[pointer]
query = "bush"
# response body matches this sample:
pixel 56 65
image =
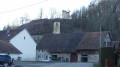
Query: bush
pixel 106 53
pixel 96 64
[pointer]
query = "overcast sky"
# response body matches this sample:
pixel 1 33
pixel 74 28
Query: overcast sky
pixel 7 16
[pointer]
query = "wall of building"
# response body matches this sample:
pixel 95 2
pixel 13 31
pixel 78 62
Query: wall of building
pixel 65 57
pixel 92 56
pixel 24 42
pixel 79 57
pixel 37 38
pixel 15 56
pixel 107 40
pixel 43 55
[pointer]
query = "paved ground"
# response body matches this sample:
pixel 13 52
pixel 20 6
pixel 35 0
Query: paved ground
pixel 70 65
pixel 54 65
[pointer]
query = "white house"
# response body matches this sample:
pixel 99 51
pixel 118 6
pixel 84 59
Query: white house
pixel 23 41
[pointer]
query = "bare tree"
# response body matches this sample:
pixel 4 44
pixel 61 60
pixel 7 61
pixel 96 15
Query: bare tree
pixel 41 13
pixel 54 14
pixel 15 22
pixel 58 15
pixel 24 19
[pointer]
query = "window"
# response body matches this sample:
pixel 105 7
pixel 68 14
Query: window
pixel 46 57
pixel 38 56
pixel 84 58
pixel 9 34
pixel 56 24
pixel 24 37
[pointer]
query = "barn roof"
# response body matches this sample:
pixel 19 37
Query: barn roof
pixel 60 42
pixel 92 40
pixel 71 42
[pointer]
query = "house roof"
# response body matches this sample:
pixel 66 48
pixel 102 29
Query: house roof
pixel 44 26
pixel 60 42
pixel 6 35
pixel 71 42
pixel 116 45
pixel 92 40
pixel 6 47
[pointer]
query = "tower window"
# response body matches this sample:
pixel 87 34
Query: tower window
pixel 56 24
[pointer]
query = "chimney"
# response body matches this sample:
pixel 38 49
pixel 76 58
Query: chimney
pixel 65 14
pixel 56 28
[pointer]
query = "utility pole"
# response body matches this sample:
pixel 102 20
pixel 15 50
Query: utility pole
pixel 100 36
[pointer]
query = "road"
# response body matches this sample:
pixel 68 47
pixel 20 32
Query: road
pixel 53 65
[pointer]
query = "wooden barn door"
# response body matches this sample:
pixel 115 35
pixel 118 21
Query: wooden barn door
pixel 73 57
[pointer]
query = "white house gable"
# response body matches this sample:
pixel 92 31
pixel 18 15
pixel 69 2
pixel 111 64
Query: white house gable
pixel 43 55
pixel 107 40
pixel 25 43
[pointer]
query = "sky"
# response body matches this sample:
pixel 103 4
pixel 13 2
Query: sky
pixel 10 10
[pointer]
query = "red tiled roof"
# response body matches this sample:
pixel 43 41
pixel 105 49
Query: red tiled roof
pixel 92 40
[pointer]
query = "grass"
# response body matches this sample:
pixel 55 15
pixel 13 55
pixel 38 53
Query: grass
pixel 96 64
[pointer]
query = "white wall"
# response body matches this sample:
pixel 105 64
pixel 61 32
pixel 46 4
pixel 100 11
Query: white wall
pixel 79 57
pixel 63 56
pixel 3 53
pixel 93 58
pixel 43 55
pixel 107 39
pixel 15 56
pixel 24 42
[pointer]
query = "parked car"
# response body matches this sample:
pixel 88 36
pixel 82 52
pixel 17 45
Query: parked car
pixel 6 60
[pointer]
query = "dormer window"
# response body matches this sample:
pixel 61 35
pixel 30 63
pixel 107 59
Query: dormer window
pixel 9 34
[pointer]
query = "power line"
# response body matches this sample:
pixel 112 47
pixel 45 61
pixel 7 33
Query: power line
pixel 22 7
